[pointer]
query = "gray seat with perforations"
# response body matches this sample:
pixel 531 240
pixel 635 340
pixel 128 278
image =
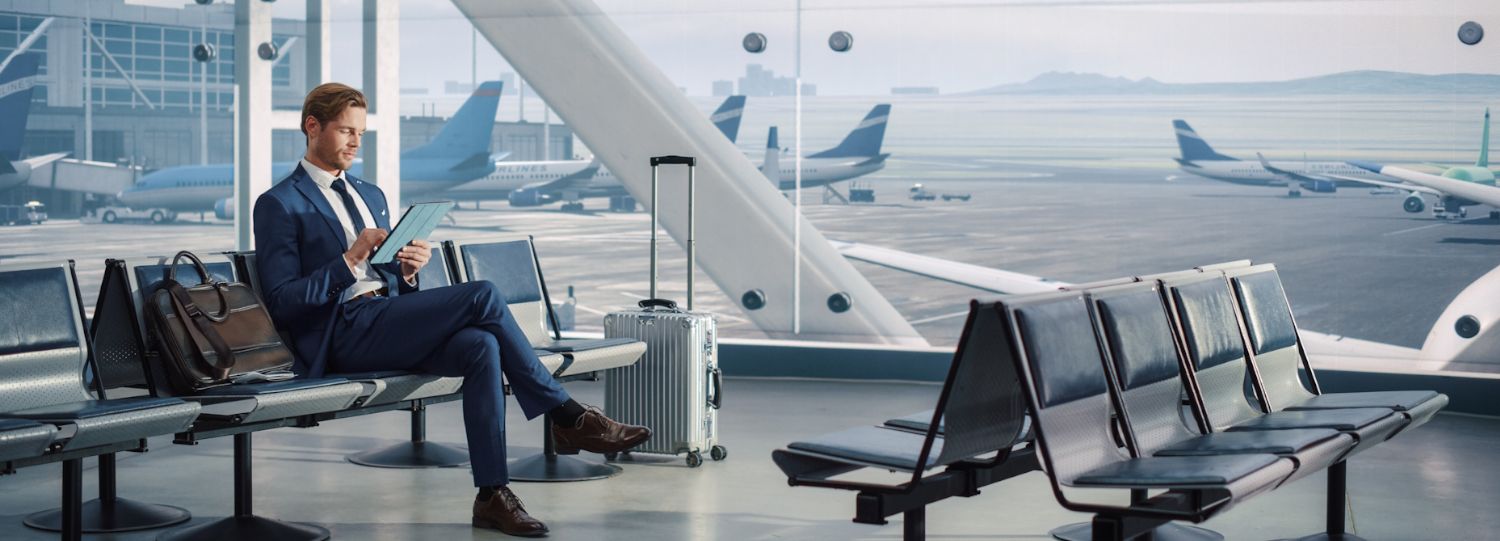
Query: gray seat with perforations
pixel 1204 309
pixel 1277 354
pixel 511 264
pixel 44 355
pixel 1054 345
pixel 1147 367
pixel 981 413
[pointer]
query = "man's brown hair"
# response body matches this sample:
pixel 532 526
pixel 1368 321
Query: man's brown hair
pixel 328 101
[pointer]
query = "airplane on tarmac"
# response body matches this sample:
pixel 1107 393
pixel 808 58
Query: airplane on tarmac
pixel 857 155
pixel 510 176
pixel 459 153
pixel 1456 191
pixel 1200 159
pixel 1449 203
pixel 16 85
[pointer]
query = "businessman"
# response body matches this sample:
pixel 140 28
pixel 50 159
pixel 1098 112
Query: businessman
pixel 314 234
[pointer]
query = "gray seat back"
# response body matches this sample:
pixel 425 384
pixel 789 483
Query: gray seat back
pixel 43 353
pixel 1055 348
pixel 510 264
pixel 1209 331
pixel 982 408
pixel 1147 364
pixel 439 270
pixel 1274 348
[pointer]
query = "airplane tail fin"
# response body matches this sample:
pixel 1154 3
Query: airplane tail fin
pixel 866 138
pixel 16 85
pixel 1193 147
pixel 727 117
pixel 470 130
pixel 1484 142
pixel 772 166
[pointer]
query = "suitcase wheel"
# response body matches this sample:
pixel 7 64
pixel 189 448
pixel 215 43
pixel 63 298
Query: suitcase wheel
pixel 694 459
pixel 718 452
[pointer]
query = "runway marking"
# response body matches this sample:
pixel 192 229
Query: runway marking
pixel 938 318
pixel 1418 228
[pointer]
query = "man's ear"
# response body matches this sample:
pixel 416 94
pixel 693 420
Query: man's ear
pixel 311 125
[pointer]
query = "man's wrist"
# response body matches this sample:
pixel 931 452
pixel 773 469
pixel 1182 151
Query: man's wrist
pixel 352 263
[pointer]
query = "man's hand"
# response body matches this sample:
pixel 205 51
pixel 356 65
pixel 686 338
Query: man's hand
pixel 364 246
pixel 413 257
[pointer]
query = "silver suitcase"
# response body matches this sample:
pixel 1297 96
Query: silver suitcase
pixel 676 387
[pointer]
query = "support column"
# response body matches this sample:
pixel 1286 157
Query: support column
pixel 319 57
pixel 382 88
pixel 252 82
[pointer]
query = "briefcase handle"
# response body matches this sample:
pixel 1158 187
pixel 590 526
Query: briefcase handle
pixel 204 279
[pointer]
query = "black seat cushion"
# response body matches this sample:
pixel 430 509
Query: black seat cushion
pixel 254 389
pixel 918 422
pixel 17 424
pixel 87 409
pixel 584 344
pixel 377 374
pixel 872 445
pixel 1276 442
pixel 1176 471
pixel 1396 400
pixel 1343 420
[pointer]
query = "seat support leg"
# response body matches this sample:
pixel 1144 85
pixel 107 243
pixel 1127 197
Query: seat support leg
pixel 552 467
pixel 72 500
pixel 417 453
pixel 111 513
pixel 914 525
pixel 244 525
pixel 1338 496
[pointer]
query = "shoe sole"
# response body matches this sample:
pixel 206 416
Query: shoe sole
pixel 488 525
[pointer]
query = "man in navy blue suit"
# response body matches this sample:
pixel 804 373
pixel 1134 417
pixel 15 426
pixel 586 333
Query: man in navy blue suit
pixel 314 234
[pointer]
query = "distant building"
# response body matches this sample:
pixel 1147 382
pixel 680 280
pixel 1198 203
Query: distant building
pixel 456 87
pixel 761 82
pixel 914 91
pixel 723 89
pixel 413 91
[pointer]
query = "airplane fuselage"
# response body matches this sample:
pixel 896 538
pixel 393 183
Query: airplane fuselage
pixel 1251 173
pixel 199 188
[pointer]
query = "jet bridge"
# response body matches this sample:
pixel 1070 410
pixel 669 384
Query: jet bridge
pixel 626 110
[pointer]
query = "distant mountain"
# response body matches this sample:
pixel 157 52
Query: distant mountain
pixel 1349 82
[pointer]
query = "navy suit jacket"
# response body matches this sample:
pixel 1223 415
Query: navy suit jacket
pixel 299 247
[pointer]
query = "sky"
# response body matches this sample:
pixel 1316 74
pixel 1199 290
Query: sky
pixel 961 45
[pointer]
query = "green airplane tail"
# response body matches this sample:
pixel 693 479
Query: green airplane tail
pixel 1484 144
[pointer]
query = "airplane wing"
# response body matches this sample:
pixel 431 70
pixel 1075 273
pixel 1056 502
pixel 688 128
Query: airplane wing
pixel 1396 185
pixel 1311 182
pixel 1479 193
pixel 569 181
pixel 38 161
pixel 975 276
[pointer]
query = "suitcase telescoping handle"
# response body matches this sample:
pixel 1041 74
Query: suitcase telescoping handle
pixel 656 162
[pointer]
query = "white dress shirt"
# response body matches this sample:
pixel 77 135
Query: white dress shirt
pixel 366 280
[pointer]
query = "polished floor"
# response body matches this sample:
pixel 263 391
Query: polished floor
pixel 1438 482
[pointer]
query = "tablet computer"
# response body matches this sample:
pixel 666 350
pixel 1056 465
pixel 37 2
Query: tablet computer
pixel 416 223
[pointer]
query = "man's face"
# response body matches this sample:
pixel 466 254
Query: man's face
pixel 336 142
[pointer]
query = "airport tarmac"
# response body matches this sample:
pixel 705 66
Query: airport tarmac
pixel 1353 263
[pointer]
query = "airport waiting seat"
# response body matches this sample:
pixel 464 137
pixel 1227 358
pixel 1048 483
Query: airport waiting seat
pixel 121 332
pixel 44 355
pixel 1053 343
pixel 397 389
pixel 511 264
pixel 981 399
pixel 1146 366
pixel 1277 355
pixel 1218 372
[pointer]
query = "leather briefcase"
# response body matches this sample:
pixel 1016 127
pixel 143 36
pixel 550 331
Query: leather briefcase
pixel 212 332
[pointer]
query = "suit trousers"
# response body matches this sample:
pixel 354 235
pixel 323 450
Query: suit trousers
pixel 460 330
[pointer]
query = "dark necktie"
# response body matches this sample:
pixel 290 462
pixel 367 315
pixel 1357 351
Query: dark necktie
pixel 359 222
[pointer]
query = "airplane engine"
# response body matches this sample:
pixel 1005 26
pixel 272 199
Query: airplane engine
pixel 224 208
pixel 529 197
pixel 1413 204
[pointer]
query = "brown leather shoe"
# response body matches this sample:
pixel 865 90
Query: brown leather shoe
pixel 504 512
pixel 598 434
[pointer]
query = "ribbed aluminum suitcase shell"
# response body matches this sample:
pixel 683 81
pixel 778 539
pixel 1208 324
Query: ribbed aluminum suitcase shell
pixel 673 387
pixel 676 388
